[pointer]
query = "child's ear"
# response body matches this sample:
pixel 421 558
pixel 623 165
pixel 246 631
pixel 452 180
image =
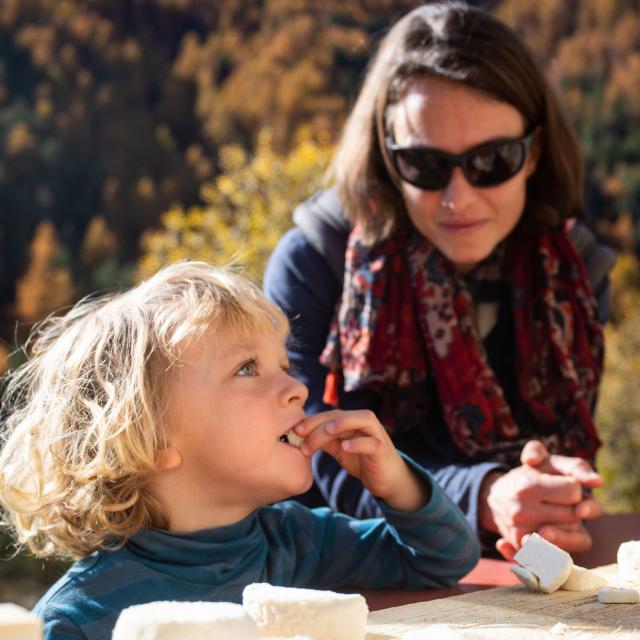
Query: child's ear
pixel 168 458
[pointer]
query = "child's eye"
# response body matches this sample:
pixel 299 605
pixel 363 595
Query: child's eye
pixel 248 368
pixel 290 369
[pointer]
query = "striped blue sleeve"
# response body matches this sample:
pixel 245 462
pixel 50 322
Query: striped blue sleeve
pixel 432 547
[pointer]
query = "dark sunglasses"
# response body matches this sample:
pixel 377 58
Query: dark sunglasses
pixel 486 165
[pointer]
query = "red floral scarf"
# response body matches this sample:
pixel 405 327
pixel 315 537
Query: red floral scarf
pixel 406 315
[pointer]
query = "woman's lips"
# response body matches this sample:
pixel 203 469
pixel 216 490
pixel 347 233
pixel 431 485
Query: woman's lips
pixel 462 226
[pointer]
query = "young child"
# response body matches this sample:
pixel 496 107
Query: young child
pixel 147 434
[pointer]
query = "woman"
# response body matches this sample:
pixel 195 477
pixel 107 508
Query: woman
pixel 462 312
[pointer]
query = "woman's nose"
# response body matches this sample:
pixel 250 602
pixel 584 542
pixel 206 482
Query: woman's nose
pixel 458 193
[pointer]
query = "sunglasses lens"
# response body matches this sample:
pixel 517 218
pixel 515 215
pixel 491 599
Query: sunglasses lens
pixel 423 169
pixel 494 164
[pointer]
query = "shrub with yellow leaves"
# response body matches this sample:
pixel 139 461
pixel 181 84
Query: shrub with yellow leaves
pixel 618 414
pixel 247 207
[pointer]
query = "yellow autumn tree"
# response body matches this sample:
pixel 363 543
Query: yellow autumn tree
pixel 99 243
pixel 247 208
pixel 47 284
pixel 618 414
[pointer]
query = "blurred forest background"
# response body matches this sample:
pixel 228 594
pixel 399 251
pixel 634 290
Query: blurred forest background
pixel 137 132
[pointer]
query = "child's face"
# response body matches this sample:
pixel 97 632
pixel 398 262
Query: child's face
pixel 232 402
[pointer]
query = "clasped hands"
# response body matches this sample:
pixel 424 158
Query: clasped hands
pixel 545 494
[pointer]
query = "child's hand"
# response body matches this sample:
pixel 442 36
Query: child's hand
pixel 358 441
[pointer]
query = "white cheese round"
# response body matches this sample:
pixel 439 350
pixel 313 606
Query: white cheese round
pixel 167 620
pixel 17 623
pixel 618 595
pixel 629 560
pixel 581 579
pixel 323 615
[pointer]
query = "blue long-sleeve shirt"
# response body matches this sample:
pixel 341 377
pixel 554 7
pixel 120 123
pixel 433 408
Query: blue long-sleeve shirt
pixel 304 278
pixel 286 544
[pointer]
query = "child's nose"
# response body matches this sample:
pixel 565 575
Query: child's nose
pixel 295 391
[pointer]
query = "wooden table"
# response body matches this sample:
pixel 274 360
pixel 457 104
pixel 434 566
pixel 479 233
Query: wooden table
pixel 607 533
pixel 511 613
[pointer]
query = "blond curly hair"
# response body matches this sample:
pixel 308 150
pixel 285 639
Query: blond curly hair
pixel 82 418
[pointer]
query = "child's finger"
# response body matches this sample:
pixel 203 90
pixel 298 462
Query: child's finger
pixel 310 423
pixel 362 445
pixel 324 437
pixel 362 420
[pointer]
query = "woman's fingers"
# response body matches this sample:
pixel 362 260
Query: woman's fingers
pixel 534 453
pixel 506 549
pixel 576 468
pixel 588 509
pixel 573 538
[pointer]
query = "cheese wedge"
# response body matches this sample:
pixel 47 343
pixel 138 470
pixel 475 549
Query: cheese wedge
pixel 548 563
pixel 581 579
pixel 530 580
pixel 322 615
pixel 618 595
pixel 17 623
pixel 629 561
pixel 179 620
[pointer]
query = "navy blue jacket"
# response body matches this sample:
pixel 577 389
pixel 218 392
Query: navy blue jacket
pixel 304 277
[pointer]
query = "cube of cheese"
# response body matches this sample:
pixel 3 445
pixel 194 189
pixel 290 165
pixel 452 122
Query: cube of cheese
pixel 179 620
pixel 629 560
pixel 548 563
pixel 581 579
pixel 530 580
pixel 323 615
pixel 17 623
pixel 618 595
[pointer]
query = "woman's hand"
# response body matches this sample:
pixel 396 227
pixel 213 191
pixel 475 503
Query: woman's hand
pixel 545 494
pixel 360 444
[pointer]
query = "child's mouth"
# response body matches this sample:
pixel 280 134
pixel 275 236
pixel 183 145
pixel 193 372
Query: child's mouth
pixel 292 438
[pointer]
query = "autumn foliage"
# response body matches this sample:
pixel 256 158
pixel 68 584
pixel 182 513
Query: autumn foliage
pixel 137 132
pixel 246 208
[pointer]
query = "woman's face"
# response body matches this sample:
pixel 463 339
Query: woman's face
pixel 464 222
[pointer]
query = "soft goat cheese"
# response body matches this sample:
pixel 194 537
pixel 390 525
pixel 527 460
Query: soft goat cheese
pixel 529 579
pixel 17 623
pixel 323 615
pixel 629 560
pixel 618 595
pixel 543 561
pixel 167 620
pixel 581 579
pixel 293 438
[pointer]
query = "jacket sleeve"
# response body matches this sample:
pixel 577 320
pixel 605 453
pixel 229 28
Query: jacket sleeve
pixel 59 627
pixel 432 547
pixel 460 481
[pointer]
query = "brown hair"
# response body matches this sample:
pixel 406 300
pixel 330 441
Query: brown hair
pixel 462 44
